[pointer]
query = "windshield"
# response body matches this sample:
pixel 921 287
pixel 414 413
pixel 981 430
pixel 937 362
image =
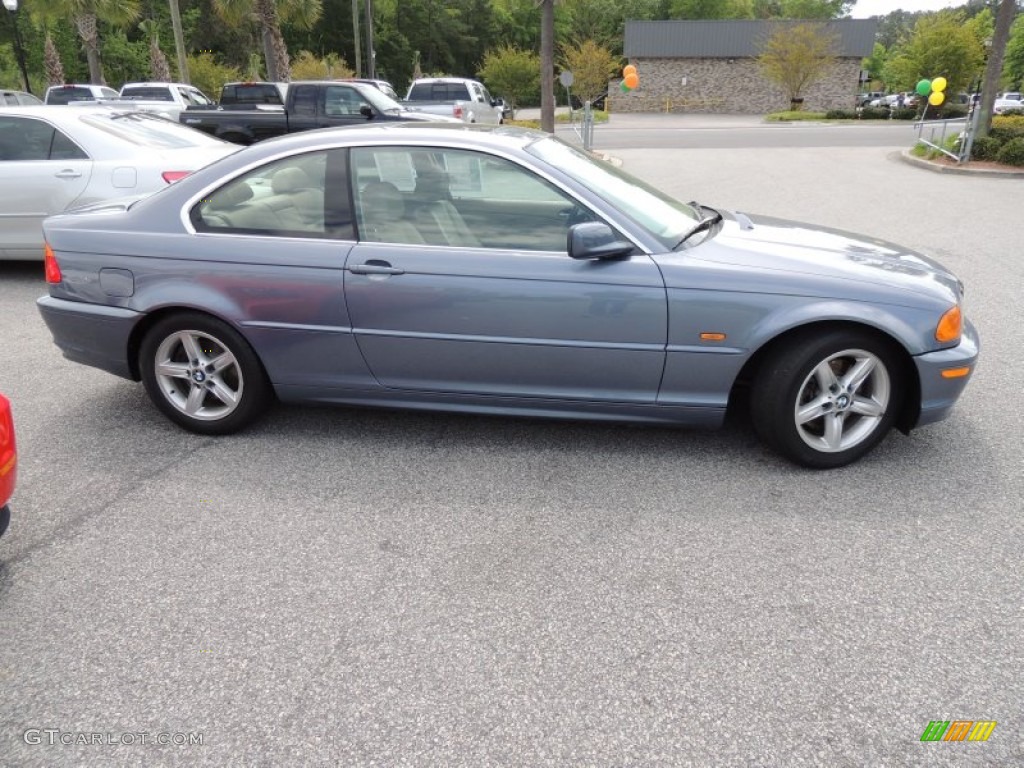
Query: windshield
pixel 664 217
pixel 147 130
pixel 377 98
pixel 147 93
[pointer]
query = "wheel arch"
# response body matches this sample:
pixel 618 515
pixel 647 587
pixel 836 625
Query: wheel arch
pixel 740 391
pixel 142 328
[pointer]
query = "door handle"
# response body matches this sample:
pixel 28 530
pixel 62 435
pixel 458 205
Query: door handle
pixel 67 173
pixel 375 268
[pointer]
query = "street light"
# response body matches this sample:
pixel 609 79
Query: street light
pixel 19 49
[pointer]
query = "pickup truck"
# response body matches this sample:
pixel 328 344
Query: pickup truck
pixel 253 95
pixel 458 97
pixel 308 104
pixel 165 99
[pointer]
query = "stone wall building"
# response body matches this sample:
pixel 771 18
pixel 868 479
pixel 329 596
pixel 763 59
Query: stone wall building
pixel 711 66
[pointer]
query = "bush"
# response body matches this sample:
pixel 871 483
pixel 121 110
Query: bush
pixel 776 117
pixel 1004 130
pixel 841 114
pixel 306 66
pixel 1013 113
pixel 947 111
pixel 208 75
pixel 1012 152
pixel 986 148
pixel 903 113
pixel 874 113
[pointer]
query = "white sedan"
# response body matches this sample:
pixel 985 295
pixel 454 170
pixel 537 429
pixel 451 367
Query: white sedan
pixel 53 159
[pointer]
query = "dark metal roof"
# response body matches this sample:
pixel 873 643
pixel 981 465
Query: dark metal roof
pixel 733 39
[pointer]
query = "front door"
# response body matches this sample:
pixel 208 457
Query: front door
pixel 461 283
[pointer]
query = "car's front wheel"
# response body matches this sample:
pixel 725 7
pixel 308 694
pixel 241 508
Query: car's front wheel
pixel 825 401
pixel 202 374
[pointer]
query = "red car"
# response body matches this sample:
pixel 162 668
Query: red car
pixel 8 462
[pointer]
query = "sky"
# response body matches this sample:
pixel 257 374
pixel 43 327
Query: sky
pixel 865 9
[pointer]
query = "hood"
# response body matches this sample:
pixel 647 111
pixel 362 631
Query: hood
pixel 427 117
pixel 796 248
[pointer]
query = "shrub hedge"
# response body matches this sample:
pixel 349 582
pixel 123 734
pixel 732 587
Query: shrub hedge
pixel 1012 152
pixel 985 148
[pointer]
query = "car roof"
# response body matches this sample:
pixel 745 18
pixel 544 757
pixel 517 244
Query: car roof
pixel 414 132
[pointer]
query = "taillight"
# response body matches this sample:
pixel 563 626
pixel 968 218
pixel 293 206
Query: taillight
pixel 172 176
pixel 8 452
pixel 457 111
pixel 52 267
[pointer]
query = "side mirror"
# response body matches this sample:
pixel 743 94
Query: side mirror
pixel 595 240
pixel 366 111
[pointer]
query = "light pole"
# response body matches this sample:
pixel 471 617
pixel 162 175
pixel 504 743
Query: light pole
pixel 19 49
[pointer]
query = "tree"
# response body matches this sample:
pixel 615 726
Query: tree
pixel 798 55
pixel 511 73
pixel 1013 63
pixel 994 67
pixel 547 65
pixel 159 70
pixel 269 14
pixel 306 66
pixel 942 44
pixel 874 64
pixel 591 66
pixel 815 9
pixel 86 15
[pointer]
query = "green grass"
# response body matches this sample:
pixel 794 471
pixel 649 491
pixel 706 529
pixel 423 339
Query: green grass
pixel 599 116
pixel 778 117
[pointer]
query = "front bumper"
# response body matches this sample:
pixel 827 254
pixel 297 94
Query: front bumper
pixel 939 393
pixel 91 334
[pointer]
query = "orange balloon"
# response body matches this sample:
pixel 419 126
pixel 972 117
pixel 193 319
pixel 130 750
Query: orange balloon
pixel 628 70
pixel 632 80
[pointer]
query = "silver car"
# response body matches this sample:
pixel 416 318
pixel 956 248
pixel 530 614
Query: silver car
pixel 500 271
pixel 58 157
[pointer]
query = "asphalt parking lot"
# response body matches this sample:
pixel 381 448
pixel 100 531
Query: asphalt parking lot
pixel 356 587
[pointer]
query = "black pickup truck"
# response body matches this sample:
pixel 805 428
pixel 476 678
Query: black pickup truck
pixel 308 104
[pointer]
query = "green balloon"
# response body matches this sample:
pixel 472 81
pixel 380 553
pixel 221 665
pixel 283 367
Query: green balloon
pixel 624 88
pixel 924 87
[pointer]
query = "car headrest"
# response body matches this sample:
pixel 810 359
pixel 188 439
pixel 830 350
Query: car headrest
pixel 289 180
pixel 382 200
pixel 231 196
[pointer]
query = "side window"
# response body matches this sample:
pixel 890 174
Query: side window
pixel 64 148
pixel 23 138
pixel 300 196
pixel 305 100
pixel 458 198
pixel 342 101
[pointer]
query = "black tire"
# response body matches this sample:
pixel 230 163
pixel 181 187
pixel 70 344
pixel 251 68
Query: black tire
pixel 810 403
pixel 219 389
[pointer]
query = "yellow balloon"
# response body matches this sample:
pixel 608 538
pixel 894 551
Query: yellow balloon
pixel 628 70
pixel 939 85
pixel 936 98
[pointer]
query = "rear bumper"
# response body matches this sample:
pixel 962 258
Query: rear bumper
pixel 91 334
pixel 939 393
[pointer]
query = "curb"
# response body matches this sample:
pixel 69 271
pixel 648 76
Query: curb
pixel 920 162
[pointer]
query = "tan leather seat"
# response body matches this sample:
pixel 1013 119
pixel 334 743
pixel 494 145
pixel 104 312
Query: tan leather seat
pixel 382 215
pixel 436 216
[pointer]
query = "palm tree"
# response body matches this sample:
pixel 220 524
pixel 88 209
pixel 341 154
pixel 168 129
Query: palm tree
pixel 45 15
pixel 159 70
pixel 86 14
pixel 269 14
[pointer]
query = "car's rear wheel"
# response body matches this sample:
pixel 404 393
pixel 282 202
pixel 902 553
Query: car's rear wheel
pixel 202 374
pixel 825 401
